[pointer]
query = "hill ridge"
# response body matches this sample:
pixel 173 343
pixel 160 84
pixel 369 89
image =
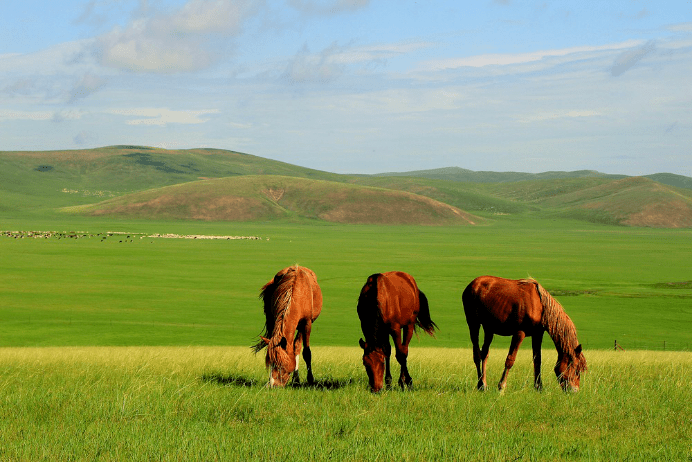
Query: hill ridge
pixel 486 176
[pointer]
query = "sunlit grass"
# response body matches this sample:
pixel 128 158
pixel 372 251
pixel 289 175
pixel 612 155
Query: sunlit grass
pixel 211 403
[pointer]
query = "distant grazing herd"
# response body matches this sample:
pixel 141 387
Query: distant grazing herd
pixel 121 235
pixel 391 305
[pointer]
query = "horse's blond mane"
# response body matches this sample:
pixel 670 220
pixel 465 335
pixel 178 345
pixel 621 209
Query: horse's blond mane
pixel 555 320
pixel 277 297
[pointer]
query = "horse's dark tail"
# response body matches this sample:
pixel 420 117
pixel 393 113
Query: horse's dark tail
pixel 423 320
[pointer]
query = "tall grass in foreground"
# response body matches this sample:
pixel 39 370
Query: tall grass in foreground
pixel 210 403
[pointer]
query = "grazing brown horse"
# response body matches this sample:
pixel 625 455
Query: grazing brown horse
pixel 390 304
pixel 521 308
pixel 292 301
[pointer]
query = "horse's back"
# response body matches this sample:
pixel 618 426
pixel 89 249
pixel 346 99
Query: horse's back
pixel 505 303
pixel 305 292
pixel 398 297
pixel 312 295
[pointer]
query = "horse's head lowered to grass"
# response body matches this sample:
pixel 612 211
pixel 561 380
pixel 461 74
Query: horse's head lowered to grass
pixel 390 305
pixel 568 368
pixel 374 362
pixel 279 361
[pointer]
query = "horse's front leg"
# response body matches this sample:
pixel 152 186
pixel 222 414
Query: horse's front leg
pixel 307 357
pixel 402 352
pixel 387 351
pixel 510 360
pixel 536 349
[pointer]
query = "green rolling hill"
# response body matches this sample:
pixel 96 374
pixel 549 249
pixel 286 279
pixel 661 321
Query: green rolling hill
pixel 268 197
pixel 212 184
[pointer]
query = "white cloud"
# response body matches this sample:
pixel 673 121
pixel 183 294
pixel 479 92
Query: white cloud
pixel 87 85
pixel 517 58
pixel 328 7
pixel 316 68
pixel 558 115
pixel 135 51
pixel 176 42
pixel 163 116
pixel 374 53
pixel 630 58
pixel 207 16
pixel 8 114
pixel 683 27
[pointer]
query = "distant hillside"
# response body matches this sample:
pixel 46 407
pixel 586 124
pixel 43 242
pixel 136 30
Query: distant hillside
pixel 471 176
pixel 270 197
pixel 461 174
pixel 89 175
pixel 629 201
pixel 634 201
pixel 131 177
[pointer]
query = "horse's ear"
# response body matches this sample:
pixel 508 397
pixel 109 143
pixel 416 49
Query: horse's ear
pixel 266 340
pixel 362 344
pixel 578 350
pixel 282 343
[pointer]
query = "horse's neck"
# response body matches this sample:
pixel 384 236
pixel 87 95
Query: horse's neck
pixel 561 330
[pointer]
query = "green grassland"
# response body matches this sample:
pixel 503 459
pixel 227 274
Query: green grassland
pixel 617 283
pixel 625 283
pixel 210 403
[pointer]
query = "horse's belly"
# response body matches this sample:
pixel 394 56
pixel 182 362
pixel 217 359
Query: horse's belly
pixel 509 327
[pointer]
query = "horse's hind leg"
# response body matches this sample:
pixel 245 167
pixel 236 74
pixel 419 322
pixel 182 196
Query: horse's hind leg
pixel 483 358
pixel 295 379
pixel 307 356
pixel 402 352
pixel 510 360
pixel 474 335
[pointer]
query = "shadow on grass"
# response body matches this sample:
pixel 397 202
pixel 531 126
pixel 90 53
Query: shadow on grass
pixel 231 380
pixel 244 381
pixel 324 384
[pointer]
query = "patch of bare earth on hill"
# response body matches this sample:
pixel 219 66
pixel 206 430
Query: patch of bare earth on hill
pixel 379 208
pixel 274 194
pixel 658 215
pixel 226 208
pixel 195 207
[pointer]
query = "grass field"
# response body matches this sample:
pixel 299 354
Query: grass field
pixel 631 285
pixel 209 403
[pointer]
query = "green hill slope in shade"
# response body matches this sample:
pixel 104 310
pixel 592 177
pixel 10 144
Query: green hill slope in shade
pixel 464 175
pixel 270 197
pixel 112 171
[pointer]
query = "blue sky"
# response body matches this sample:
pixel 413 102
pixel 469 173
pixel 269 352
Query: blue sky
pixel 357 86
